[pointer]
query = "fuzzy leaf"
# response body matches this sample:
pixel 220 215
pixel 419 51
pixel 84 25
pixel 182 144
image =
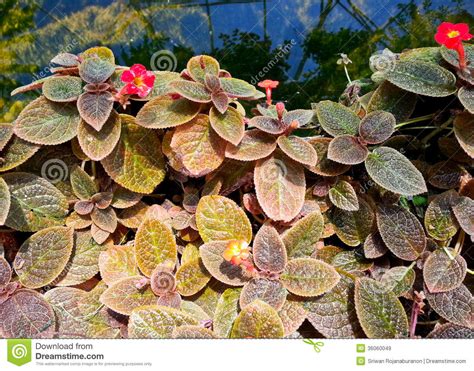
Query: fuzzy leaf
pixel 191 277
pixel 222 270
pixel 380 313
pixel 301 239
pixel 46 122
pixel 401 232
pixel 464 212
pixel 228 125
pixel 343 196
pixel 257 321
pixel 347 150
pixel 226 312
pixel 353 227
pixel 324 166
pixel 440 221
pixel 337 119
pixel 200 65
pixel 155 245
pixel 377 127
pixel 466 96
pixel 333 314
pixel 5 201
pixel 82 184
pixel 6 133
pixel 164 112
pixel 393 171
pixel 451 331
pixel 133 216
pixel 198 147
pixel 280 186
pixel 236 88
pixel 298 149
pixel 269 291
pixel 35 203
pixel 292 314
pixel 95 108
pixel 309 277
pixel 62 88
pixel 268 124
pixel 456 305
pixel 220 219
pixel 95 70
pixel 105 219
pixel 254 145
pixel 303 116
pixel 136 163
pixel 26 315
pixel 399 280
pixel 390 98
pixel 422 78
pixel 351 261
pixel 193 332
pixel 99 144
pixel 127 294
pixel 193 91
pixel 269 253
pixel 43 256
pixel 156 322
pixel 463 124
pixel 117 262
pixel 442 274
pixel 374 247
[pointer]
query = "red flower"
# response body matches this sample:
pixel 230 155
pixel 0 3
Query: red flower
pixel 138 81
pixel 451 36
pixel 268 85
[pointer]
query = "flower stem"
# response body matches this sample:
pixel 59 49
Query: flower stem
pixel 347 74
pixel 416 119
pixel 426 139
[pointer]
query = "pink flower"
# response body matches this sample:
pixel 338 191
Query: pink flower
pixel 451 36
pixel 138 81
pixel 268 85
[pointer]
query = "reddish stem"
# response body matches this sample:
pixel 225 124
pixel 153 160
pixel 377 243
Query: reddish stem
pixel 414 318
pixel 462 56
pixel 268 91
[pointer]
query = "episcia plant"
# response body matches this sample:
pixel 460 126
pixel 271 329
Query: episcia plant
pixel 147 204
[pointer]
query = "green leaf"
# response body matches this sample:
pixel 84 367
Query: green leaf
pixel 333 314
pixel 46 122
pixel 99 144
pixel 351 261
pixel 65 59
pixel 269 253
pixel 298 149
pixel 200 65
pixel 136 163
pixel 5 272
pixel 398 280
pixel 117 262
pixel 193 91
pixel 95 70
pixel 257 321
pixel 353 227
pixel 463 124
pixel 347 150
pixel 324 166
pixel 451 331
pixel 440 221
pixel 199 149
pixel 422 78
pixel 268 124
pixel 126 294
pixel 456 305
pixel 393 171
pixel 337 119
pixel 62 88
pixel 5 201
pixel 228 125
pixel 466 96
pixel 156 322
pixel 271 292
pixel 452 57
pixel 280 186
pixel 220 219
pixel 163 112
pixel 377 126
pixel 464 213
pixel 309 277
pixel 236 88
pixel 43 256
pixel 27 315
pixel 292 314
pixel 255 144
pixel 155 245
pixel 193 332
pixel 343 196
pixel 191 277
pixel 95 108
pixel 390 98
pixel 380 313
pixel 101 52
pixel 35 203
pixel 301 239
pixel 222 270
pixel 226 312
pixel 82 184
pixel 441 273
pixel 401 232
pixel 6 133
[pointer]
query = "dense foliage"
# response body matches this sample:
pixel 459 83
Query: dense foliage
pixel 183 209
